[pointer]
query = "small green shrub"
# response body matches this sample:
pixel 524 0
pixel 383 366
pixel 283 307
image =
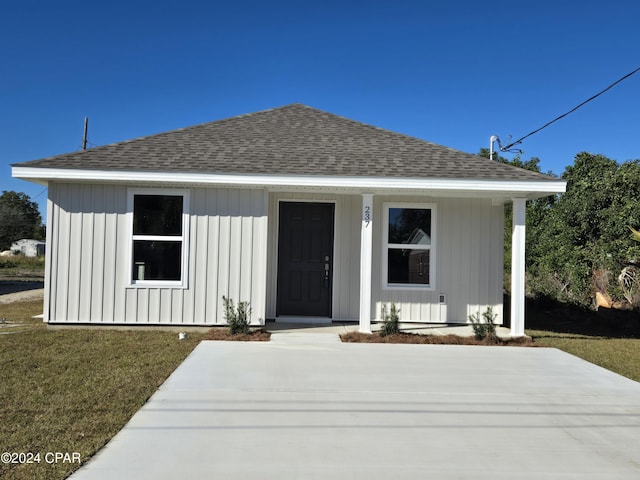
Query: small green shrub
pixel 237 316
pixel 483 325
pixel 390 320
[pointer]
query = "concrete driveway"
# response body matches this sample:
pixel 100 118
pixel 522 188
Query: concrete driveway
pixel 305 406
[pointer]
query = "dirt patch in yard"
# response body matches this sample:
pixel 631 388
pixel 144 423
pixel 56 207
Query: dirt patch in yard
pixel 564 318
pixel 223 334
pixel 414 338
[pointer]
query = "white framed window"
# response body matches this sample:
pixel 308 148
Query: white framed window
pixel 409 246
pixel 159 237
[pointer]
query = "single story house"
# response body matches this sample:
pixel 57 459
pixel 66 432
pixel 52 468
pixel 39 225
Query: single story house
pixel 29 247
pixel 307 215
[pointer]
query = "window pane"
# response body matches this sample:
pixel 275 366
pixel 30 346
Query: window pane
pixel 157 215
pixel 408 266
pixel 410 226
pixel 157 260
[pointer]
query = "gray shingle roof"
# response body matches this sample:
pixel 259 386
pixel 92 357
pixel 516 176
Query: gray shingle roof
pixel 290 140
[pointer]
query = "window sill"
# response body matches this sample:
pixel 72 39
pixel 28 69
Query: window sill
pixel 158 284
pixel 408 286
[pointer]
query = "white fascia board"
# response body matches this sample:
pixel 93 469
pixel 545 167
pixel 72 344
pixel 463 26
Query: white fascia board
pixel 381 183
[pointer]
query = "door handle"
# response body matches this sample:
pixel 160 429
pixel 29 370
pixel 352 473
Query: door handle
pixel 326 271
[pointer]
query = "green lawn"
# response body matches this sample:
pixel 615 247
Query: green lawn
pixel 72 390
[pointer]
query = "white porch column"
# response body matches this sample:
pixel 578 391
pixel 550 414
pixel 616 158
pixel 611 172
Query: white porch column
pixel 366 251
pixel 517 267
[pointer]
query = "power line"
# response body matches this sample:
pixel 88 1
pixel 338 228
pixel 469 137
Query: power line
pixel 519 141
pixel 44 190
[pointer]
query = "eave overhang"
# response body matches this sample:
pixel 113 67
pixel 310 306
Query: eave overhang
pixel 339 184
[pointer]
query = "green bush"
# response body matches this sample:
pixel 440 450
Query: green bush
pixel 237 316
pixel 4 263
pixel 483 325
pixel 390 321
pixel 22 262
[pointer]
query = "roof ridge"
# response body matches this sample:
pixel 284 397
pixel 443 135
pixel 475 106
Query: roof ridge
pixel 382 129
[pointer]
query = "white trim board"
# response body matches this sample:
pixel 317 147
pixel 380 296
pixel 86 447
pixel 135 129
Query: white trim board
pixel 310 181
pixel 184 238
pixel 431 286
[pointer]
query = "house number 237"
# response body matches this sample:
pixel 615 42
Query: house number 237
pixel 366 217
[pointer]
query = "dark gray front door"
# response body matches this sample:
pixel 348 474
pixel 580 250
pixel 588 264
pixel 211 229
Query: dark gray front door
pixel 305 259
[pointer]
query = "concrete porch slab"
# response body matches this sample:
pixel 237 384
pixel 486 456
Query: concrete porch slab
pixel 462 330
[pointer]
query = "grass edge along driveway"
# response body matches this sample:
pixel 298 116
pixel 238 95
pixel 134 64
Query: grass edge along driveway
pixel 70 391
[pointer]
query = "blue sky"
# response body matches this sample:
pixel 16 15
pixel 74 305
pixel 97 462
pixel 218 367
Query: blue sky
pixel 453 72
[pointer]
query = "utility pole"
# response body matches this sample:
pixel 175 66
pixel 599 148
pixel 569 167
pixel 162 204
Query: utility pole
pixel 84 136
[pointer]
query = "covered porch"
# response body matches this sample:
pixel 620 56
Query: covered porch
pixel 464 264
pixel 518 241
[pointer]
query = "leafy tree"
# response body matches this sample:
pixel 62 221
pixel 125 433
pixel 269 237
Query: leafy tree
pixel 578 242
pixel 533 164
pixel 19 218
pixel 582 240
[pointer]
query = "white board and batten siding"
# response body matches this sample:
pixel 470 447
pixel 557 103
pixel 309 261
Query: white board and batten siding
pixel 468 262
pixel 89 266
pixel 233 251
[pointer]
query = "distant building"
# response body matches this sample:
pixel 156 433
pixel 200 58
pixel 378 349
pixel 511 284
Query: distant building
pixel 29 247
